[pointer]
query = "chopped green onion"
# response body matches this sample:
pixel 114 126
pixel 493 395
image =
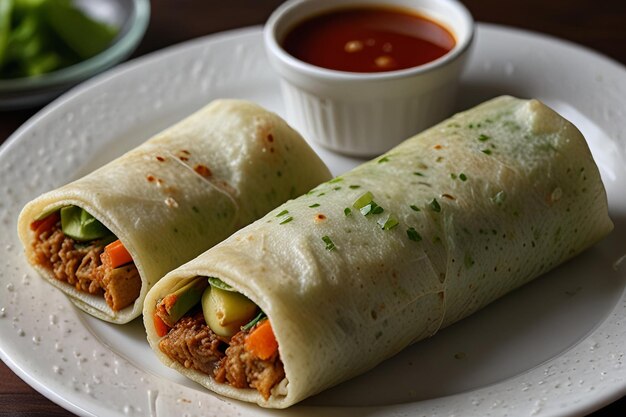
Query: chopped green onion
pixel 286 220
pixel 413 234
pixel 486 151
pixel 336 188
pixel 347 211
pixel 499 198
pixel 483 138
pixel 363 200
pixel 329 243
pixel 453 176
pixel 218 283
pixel 334 180
pixel 389 223
pixel 371 208
pixel 367 209
pixel 354 187
pixel 254 321
pixel 414 207
pixel 282 213
pixel 314 205
pixel 419 174
pixel 463 177
pixel 434 205
pixel 383 159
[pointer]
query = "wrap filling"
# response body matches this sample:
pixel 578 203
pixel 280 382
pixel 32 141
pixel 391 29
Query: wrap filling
pixel 79 250
pixel 207 326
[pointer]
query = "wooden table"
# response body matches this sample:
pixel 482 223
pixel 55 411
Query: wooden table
pixel 599 25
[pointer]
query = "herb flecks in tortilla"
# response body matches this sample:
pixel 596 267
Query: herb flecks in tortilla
pixel 330 246
pixel 434 205
pixel 285 217
pixel 389 223
pixel 286 220
pixel 363 200
pixel 372 208
pixel 413 234
pixel 282 213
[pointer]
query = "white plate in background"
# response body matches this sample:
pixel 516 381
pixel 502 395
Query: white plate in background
pixel 554 347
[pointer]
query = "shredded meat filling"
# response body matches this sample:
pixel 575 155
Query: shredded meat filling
pixel 80 265
pixel 242 369
pixel 194 345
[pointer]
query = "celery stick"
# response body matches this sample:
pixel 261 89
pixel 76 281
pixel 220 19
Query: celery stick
pixel 5 27
pixel 82 34
pixel 42 63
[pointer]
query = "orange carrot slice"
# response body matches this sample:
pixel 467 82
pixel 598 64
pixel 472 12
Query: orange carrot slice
pixel 160 326
pixel 39 226
pixel 115 254
pixel 261 341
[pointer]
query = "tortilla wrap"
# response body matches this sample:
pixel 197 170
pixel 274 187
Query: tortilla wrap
pixel 184 190
pixel 484 202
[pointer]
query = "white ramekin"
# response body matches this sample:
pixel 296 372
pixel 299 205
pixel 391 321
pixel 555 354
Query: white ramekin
pixel 365 114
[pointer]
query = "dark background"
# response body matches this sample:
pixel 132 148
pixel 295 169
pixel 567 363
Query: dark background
pixel 599 25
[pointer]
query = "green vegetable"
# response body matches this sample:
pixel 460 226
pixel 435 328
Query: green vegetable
pixel 80 225
pixel 216 282
pixel 286 220
pixel 371 208
pixel 282 213
pixel 6 7
pixel 434 205
pixel 413 234
pixel 226 311
pixel 40 36
pixel 347 211
pixel 363 200
pixel 254 321
pixel 389 223
pixel 80 33
pixel 182 300
pixel 329 243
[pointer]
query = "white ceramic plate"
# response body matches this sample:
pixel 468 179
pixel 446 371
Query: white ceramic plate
pixel 554 347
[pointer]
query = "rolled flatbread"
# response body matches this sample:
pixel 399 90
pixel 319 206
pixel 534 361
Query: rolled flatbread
pixel 396 249
pixel 169 200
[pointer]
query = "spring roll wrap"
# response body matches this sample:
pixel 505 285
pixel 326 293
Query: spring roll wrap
pixel 167 201
pixel 398 248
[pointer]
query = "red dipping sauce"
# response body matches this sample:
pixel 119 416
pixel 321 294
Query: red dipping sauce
pixel 368 39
